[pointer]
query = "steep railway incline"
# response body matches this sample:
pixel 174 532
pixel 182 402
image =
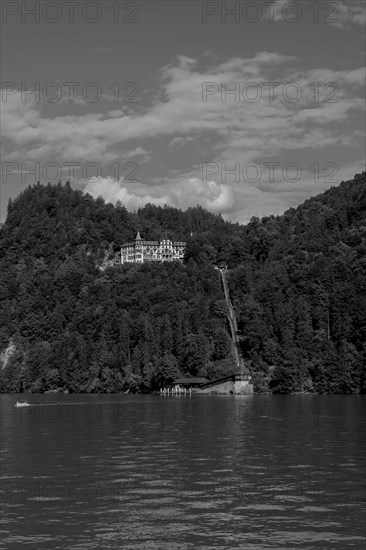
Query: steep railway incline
pixel 233 326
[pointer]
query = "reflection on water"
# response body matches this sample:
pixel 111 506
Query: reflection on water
pixel 185 472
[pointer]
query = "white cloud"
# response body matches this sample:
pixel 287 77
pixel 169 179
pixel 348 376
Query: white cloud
pixel 113 191
pixel 189 110
pixel 339 14
pixel 179 141
pixel 351 13
pixel 179 192
pixel 214 196
pixel 225 128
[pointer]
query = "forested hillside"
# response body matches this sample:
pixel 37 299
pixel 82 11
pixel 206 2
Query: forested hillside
pixel 65 323
pixel 297 282
pixel 300 294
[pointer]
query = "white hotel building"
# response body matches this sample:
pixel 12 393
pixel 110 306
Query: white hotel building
pixel 141 251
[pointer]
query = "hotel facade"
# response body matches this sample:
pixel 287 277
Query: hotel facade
pixel 140 251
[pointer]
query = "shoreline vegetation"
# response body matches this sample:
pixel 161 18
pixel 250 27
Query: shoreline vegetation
pixel 71 320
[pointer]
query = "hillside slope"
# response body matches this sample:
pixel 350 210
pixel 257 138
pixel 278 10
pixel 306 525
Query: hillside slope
pixel 300 295
pixel 66 324
pixel 297 282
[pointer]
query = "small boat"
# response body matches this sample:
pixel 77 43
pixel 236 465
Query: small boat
pixel 22 404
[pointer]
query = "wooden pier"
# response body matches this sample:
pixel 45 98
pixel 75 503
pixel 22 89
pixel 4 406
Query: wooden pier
pixel 176 390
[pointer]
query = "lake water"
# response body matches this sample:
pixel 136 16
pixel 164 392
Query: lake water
pixel 188 472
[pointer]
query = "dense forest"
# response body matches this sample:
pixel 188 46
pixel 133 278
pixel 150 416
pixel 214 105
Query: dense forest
pixel 71 321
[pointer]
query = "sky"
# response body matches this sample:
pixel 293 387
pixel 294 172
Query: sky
pixel 246 108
